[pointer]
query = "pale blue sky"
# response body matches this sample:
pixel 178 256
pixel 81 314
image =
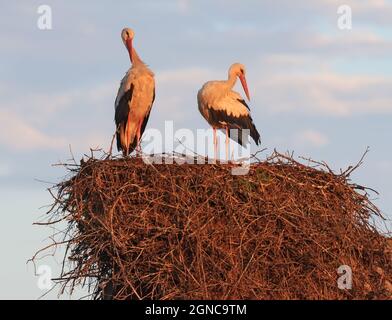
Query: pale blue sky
pixel 320 91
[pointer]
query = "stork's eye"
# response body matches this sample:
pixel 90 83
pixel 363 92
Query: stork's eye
pixel 242 71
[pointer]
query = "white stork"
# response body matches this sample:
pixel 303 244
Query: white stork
pixel 223 108
pixel 134 100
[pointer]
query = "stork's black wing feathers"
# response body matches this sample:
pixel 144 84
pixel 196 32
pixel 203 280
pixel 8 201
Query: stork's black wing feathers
pixel 153 98
pixel 119 148
pixel 244 103
pixel 121 113
pixel 122 109
pixel 220 117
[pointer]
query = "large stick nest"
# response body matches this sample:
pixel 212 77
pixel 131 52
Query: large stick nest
pixel 139 231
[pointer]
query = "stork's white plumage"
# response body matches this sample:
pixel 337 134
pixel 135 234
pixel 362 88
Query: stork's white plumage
pixel 134 100
pixel 225 109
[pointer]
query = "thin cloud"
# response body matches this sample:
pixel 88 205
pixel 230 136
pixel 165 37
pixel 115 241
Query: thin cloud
pixel 300 83
pixel 30 127
pixel 17 134
pixel 308 138
pixel 40 107
pixel 311 138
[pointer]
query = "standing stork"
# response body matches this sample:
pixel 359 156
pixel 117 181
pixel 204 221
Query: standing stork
pixel 223 108
pixel 134 100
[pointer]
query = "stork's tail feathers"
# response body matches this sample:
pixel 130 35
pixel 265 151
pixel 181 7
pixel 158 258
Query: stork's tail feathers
pixel 244 123
pixel 255 134
pixel 124 143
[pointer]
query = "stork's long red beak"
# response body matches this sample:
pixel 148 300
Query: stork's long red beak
pixel 245 86
pixel 129 47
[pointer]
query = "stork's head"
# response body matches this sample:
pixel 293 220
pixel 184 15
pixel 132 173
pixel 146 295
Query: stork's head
pixel 238 70
pixel 127 36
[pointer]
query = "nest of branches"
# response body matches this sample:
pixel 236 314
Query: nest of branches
pixel 189 231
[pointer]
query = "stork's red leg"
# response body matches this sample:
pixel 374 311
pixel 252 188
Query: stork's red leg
pixel 215 144
pixel 127 135
pixel 138 147
pixel 123 141
pixel 227 143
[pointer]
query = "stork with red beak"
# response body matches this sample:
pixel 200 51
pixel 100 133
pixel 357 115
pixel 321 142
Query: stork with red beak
pixel 134 100
pixel 223 108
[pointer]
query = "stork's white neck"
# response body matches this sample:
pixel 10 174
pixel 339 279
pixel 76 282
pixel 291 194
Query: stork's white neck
pixel 135 59
pixel 231 81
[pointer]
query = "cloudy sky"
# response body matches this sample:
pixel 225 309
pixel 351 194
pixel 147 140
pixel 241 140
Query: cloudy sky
pixel 317 90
